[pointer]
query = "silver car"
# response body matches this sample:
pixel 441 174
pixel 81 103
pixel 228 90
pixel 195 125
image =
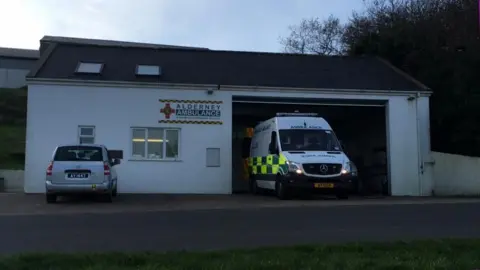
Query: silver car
pixel 82 168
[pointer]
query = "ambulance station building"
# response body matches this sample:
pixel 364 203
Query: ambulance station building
pixel 179 114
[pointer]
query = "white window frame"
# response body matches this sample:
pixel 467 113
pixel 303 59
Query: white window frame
pixel 89 68
pixel 80 136
pixel 164 149
pixel 148 70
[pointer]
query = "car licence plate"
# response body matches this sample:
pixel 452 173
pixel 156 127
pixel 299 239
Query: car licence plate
pixel 77 175
pixel 323 185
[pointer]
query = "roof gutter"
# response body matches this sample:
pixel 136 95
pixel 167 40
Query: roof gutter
pixel 359 91
pixel 218 87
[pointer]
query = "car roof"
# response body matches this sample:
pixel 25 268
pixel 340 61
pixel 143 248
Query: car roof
pixel 83 144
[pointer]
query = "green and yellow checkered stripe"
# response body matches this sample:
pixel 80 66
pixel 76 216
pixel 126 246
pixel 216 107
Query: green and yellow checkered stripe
pixel 190 101
pixel 271 164
pixel 190 122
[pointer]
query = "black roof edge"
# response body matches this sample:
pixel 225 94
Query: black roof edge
pixel 43 59
pixel 404 74
pixel 113 43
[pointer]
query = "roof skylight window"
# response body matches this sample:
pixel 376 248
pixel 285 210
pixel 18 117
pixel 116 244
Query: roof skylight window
pixel 89 68
pixel 148 70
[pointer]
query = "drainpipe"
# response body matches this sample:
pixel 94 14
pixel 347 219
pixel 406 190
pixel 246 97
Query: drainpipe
pixel 419 148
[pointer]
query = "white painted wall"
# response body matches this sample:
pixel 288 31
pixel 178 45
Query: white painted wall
pixel 402 140
pixel 456 174
pixel 425 162
pixel 54 112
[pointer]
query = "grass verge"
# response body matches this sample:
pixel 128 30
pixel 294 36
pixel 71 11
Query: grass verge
pixel 13 114
pixel 12 147
pixel 424 255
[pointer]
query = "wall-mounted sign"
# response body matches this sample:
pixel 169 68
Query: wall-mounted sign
pixel 177 111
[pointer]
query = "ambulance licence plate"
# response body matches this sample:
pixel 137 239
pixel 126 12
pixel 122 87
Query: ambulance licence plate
pixel 323 185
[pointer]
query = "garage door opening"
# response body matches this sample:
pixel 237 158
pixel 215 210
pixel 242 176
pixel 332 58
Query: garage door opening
pixel 359 125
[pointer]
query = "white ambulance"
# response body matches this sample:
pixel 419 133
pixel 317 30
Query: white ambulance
pixel 299 151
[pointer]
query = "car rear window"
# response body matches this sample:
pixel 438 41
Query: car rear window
pixel 78 153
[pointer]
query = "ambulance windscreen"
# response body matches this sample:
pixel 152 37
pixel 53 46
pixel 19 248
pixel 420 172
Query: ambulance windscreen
pixel 308 140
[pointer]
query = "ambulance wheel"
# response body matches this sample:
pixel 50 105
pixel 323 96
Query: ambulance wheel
pixel 254 189
pixel 51 198
pixel 280 190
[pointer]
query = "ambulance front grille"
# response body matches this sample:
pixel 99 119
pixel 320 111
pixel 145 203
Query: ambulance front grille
pixel 322 168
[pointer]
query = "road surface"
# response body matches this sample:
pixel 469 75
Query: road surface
pixel 235 228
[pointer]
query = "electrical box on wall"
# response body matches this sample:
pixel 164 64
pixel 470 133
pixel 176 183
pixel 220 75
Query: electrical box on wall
pixel 213 157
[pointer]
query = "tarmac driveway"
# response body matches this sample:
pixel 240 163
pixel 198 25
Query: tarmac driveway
pixel 21 204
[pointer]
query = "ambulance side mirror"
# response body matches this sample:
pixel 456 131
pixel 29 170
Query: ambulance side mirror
pixel 342 145
pixel 272 147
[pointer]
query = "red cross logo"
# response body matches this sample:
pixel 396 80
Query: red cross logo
pixel 167 110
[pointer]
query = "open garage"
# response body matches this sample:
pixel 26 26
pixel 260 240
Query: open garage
pixel 359 125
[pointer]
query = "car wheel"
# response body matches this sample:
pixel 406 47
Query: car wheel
pixel 51 198
pixel 280 190
pixel 108 197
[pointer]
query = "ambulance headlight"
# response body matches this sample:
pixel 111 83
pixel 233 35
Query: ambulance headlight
pixel 294 167
pixel 349 167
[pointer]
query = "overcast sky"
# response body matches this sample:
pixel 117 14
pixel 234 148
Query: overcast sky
pixel 248 25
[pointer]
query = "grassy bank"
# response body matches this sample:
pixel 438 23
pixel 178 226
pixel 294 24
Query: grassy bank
pixel 12 146
pixel 424 255
pixel 13 109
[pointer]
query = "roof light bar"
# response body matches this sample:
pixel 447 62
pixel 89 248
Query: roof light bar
pixel 297 114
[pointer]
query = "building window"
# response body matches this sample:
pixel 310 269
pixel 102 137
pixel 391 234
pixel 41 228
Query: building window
pixel 89 68
pixel 86 134
pixel 155 143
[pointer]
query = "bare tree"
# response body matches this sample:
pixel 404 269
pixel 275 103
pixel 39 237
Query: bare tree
pixel 314 36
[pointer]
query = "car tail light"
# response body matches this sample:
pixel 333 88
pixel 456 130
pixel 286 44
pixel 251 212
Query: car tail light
pixel 106 169
pixel 49 168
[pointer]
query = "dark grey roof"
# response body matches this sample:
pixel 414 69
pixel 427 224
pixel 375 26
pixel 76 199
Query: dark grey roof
pixel 203 66
pixel 19 53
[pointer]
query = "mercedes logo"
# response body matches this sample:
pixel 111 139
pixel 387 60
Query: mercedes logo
pixel 323 168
